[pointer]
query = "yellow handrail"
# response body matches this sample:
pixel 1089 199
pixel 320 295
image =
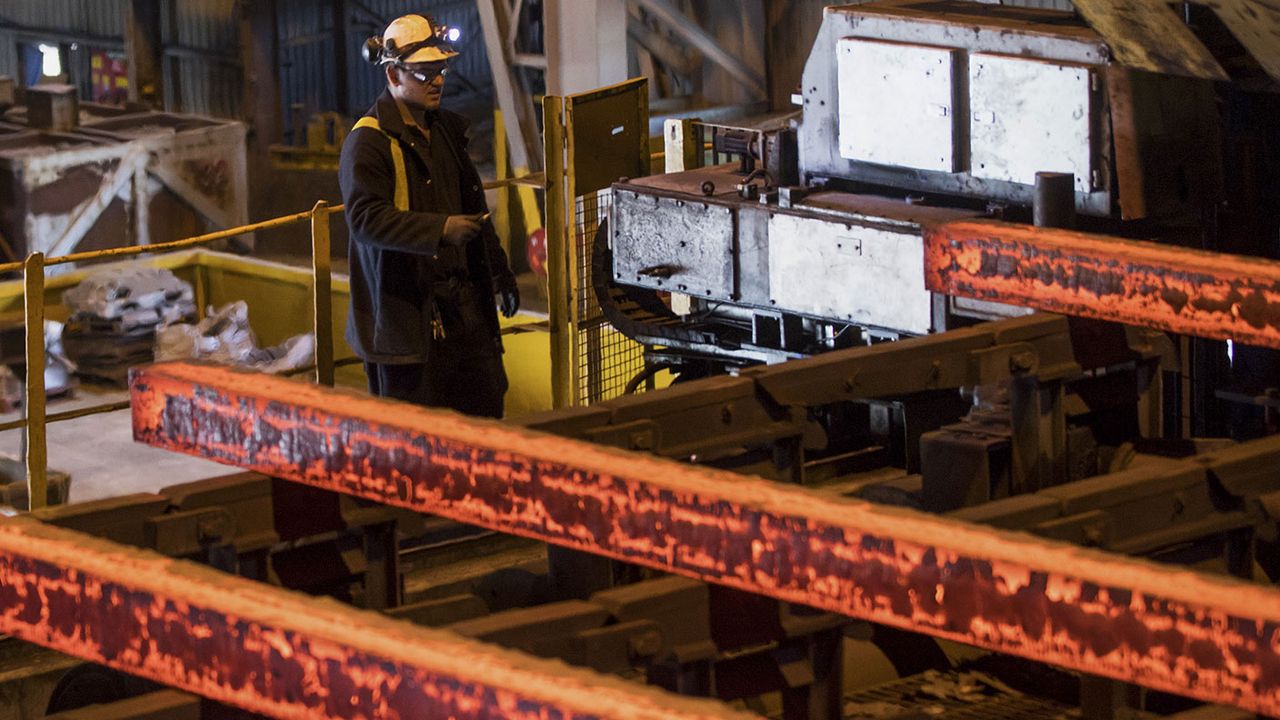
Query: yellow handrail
pixel 33 271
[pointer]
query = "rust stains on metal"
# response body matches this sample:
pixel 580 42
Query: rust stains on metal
pixel 1192 292
pixel 1208 637
pixel 280 653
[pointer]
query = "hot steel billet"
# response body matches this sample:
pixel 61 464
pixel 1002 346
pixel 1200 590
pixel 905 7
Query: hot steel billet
pixel 281 653
pixel 1172 629
pixel 1193 292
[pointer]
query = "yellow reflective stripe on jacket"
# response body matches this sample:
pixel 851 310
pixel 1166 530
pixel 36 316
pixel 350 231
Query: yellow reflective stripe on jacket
pixel 397 159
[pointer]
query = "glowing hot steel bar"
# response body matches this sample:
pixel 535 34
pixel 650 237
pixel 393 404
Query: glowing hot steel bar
pixel 1210 637
pixel 1209 295
pixel 279 653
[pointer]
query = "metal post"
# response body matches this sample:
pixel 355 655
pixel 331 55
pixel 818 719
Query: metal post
pixel 515 103
pixel 200 291
pixel 503 221
pixel 682 144
pixel 37 450
pixel 557 263
pixel 1054 204
pixel 683 151
pixel 322 293
pixel 1039 427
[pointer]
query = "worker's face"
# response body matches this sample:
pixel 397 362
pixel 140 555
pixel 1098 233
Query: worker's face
pixel 418 84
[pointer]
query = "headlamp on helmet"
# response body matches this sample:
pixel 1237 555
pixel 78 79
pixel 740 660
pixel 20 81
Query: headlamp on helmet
pixel 411 39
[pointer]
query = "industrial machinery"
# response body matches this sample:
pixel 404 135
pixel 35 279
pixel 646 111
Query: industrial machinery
pixel 751 535
pixel 912 113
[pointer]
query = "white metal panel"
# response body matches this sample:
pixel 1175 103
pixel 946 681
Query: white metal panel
pixel 896 104
pixel 848 272
pixel 1030 115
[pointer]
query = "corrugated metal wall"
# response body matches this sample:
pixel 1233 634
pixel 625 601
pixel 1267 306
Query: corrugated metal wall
pixel 203 70
pixel 203 63
pixel 103 18
pixel 308 62
pixel 100 23
pixel 308 58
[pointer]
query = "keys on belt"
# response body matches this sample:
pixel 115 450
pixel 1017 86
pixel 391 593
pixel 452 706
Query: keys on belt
pixel 465 301
pixel 437 323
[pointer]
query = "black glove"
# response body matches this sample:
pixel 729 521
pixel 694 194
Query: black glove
pixel 509 297
pixel 458 229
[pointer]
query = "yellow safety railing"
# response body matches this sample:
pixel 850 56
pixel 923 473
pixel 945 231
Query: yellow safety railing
pixel 33 272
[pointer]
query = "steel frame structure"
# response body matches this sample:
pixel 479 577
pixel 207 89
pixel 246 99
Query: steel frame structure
pixel 1166 628
pixel 273 652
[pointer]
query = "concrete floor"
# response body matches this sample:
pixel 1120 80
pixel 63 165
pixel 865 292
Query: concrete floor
pixel 99 453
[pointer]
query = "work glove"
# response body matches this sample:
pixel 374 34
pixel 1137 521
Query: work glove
pixel 458 229
pixel 508 297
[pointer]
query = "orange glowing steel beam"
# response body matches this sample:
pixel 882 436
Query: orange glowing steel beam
pixel 1209 637
pixel 1210 295
pixel 280 653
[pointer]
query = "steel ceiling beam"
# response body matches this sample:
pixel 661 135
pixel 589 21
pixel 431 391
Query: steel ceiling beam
pixel 690 31
pixel 1204 294
pixel 281 653
pixel 513 101
pixel 1148 35
pixel 1167 628
pixel 1256 24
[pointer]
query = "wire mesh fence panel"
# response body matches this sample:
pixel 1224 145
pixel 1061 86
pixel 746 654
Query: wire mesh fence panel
pixel 606 360
pixel 592 139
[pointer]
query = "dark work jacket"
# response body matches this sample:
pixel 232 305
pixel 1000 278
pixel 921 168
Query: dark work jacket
pixel 396 256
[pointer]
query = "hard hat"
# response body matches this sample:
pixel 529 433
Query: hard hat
pixel 412 39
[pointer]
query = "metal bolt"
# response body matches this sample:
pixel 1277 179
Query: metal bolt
pixel 211 530
pixel 645 644
pixel 1022 361
pixel 1093 533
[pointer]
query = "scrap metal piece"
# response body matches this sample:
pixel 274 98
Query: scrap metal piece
pixel 280 653
pixel 1193 292
pixel 1172 629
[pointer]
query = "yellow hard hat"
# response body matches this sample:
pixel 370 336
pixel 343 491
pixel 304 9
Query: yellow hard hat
pixel 412 39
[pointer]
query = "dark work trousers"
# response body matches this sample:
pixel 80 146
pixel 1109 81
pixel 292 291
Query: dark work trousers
pixel 464 371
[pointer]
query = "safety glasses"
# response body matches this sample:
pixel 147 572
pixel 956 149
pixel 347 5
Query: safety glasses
pixel 427 76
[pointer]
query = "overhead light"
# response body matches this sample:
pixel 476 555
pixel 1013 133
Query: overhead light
pixel 453 35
